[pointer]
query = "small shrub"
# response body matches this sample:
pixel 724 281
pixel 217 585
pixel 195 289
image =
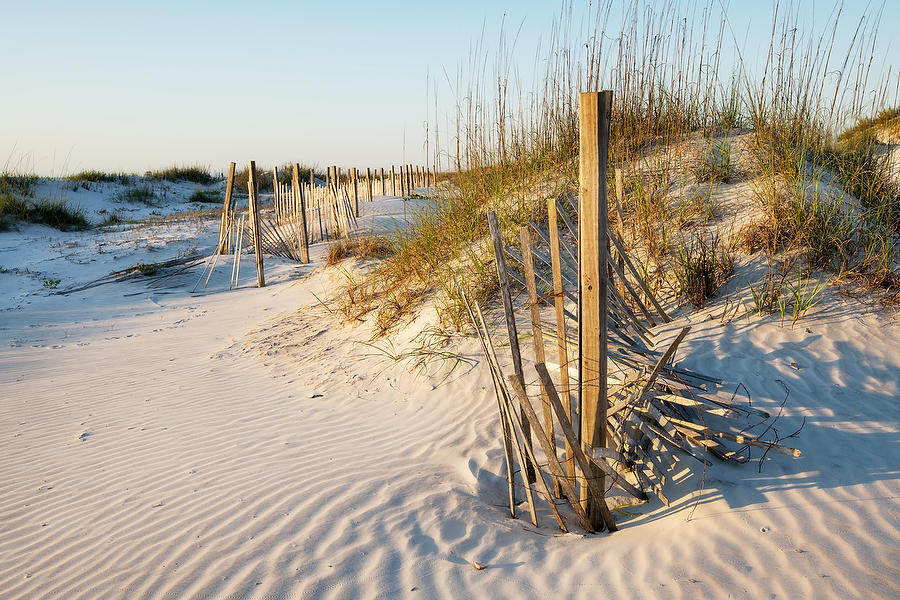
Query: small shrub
pixel 701 267
pixel 110 220
pixel 52 284
pixel 141 194
pixel 363 246
pixel 147 269
pixel 58 214
pixel 206 196
pixel 94 176
pixel 337 251
pixel 12 209
pixel 194 174
pixel 21 185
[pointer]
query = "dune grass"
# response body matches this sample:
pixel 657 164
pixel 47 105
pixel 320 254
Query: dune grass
pixel 190 173
pixel 207 196
pixel 96 176
pixel 141 194
pixel 674 112
pixel 55 213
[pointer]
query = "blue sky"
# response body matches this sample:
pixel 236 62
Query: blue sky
pixel 126 86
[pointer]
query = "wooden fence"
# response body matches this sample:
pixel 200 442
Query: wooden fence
pixel 303 212
pixel 629 417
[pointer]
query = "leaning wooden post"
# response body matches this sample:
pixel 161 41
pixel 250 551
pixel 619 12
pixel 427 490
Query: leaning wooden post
pixel 226 208
pixel 537 333
pixel 253 188
pixel 559 303
pixel 594 109
pixel 510 327
pixel 300 203
pixel 620 224
pixel 354 174
pixel 275 185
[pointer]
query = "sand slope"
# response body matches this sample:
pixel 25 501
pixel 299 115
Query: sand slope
pixel 239 444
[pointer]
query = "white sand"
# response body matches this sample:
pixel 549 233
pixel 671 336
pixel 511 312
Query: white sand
pixel 239 444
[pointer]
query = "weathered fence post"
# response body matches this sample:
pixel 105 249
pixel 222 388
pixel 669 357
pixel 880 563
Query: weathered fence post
pixel 226 208
pixel 300 206
pixel 594 111
pixel 530 474
pixel 253 189
pixel 354 174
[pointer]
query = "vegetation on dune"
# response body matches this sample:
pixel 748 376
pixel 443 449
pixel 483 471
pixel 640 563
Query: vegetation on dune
pixel 191 173
pixel 207 196
pixel 55 213
pixel 142 194
pixel 676 116
pixel 95 176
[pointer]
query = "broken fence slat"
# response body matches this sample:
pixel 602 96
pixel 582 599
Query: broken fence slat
pixel 579 455
pixel 550 452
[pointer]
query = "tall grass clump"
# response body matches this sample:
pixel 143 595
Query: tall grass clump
pixel 55 213
pixel 142 194
pixel 701 267
pixel 58 214
pixel 18 185
pixel 192 173
pixel 95 176
pixel 206 196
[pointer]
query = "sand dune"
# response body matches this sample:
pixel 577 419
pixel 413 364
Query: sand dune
pixel 243 444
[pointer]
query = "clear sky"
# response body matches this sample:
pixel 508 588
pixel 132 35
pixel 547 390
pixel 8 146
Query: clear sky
pixel 124 86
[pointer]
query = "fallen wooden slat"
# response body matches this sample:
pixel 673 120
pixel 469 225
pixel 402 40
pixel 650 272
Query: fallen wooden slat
pixel 653 486
pixel 727 413
pixel 651 431
pixel 537 337
pixel 510 322
pixel 646 459
pixel 550 452
pixel 580 457
pixel 504 398
pixel 639 279
pixel 561 345
pixel 737 438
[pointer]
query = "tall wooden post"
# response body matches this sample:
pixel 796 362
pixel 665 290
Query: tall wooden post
pixel 253 189
pixel 275 184
pixel 594 111
pixel 382 182
pixel 393 182
pixel 300 203
pixel 368 184
pixel 354 176
pixel 226 208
